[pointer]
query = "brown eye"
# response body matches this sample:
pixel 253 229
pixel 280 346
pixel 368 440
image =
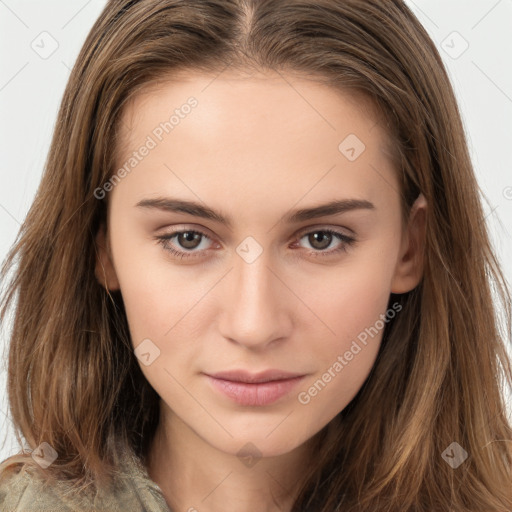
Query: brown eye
pixel 186 243
pixel 189 239
pixel 320 240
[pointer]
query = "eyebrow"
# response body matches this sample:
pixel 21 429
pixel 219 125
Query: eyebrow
pixel 300 215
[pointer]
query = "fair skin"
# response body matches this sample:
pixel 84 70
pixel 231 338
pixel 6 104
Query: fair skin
pixel 254 149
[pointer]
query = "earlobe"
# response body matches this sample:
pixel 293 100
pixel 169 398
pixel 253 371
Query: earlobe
pixel 409 268
pixel 104 269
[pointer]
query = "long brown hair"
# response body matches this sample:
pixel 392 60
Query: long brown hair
pixel 73 379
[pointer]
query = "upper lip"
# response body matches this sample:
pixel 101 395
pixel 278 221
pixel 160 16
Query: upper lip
pixel 245 376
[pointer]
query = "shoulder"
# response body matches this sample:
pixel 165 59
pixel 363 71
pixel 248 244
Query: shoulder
pixel 26 491
pixel 22 491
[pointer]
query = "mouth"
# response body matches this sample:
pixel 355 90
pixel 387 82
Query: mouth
pixel 254 389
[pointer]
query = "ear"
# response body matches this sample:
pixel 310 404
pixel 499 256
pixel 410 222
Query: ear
pixel 104 269
pixel 409 268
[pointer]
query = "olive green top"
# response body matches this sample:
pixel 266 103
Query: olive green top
pixel 132 491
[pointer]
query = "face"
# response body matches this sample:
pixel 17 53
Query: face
pixel 229 261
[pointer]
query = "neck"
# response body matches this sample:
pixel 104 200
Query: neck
pixel 194 476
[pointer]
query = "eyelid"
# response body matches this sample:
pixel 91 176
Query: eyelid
pixel 325 227
pixel 177 228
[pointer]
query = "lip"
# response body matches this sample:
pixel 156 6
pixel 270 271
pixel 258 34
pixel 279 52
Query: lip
pixel 248 377
pixel 252 389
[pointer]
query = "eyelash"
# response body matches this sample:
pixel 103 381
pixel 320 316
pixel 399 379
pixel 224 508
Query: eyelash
pixel 347 241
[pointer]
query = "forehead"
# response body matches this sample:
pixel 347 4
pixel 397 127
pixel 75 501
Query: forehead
pixel 233 97
pixel 256 131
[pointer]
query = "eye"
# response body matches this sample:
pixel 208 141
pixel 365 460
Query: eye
pixel 189 240
pixel 189 243
pixel 321 239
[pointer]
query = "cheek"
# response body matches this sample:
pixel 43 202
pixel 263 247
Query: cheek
pixel 348 299
pixel 353 305
pixel 150 304
pixel 156 293
pixel 163 306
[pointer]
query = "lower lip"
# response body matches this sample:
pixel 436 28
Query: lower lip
pixel 263 393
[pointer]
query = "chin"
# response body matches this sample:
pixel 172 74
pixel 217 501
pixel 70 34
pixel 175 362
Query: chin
pixel 257 442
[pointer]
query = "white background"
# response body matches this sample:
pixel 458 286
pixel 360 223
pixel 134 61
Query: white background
pixel 31 88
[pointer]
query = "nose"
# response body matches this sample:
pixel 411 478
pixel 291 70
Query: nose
pixel 255 306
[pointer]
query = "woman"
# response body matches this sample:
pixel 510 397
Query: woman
pixel 256 274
